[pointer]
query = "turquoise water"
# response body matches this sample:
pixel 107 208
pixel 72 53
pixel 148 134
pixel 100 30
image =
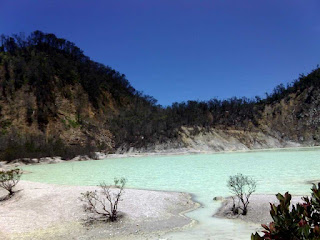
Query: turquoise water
pixel 204 175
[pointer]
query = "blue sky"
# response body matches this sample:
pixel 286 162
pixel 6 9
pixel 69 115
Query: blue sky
pixel 184 50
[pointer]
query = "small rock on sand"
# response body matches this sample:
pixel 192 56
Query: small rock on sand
pixel 219 198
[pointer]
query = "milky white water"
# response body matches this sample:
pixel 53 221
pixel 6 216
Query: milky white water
pixel 203 175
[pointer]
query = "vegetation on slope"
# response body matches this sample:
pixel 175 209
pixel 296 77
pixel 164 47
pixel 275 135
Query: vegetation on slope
pixel 54 100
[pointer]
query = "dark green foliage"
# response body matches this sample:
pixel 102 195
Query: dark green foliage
pixel 38 147
pixel 304 82
pixel 47 65
pixel 29 115
pixel 301 222
pixel 5 124
pixel 9 179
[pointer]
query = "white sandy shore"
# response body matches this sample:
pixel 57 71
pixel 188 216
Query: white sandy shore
pixel 46 211
pixel 43 211
pixel 258 209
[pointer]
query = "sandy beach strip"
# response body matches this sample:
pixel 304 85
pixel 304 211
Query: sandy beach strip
pixel 48 211
pixel 258 209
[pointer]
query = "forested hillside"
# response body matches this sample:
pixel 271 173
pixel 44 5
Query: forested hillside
pixel 54 100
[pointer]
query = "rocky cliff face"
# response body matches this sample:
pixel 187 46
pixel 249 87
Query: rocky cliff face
pixel 20 132
pixel 294 118
pixel 207 140
pixel 294 121
pixel 18 117
pixel 54 100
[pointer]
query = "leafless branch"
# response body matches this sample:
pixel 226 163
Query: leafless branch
pixel 105 202
pixel 242 187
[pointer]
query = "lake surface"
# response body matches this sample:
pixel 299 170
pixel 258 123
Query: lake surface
pixel 204 175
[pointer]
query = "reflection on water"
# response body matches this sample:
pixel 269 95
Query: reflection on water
pixel 204 175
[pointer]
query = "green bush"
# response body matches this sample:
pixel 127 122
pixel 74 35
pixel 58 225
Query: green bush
pixel 301 222
pixel 9 179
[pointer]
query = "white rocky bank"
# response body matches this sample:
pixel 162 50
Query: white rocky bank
pixel 195 140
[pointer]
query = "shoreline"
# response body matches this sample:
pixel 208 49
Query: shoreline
pixel 258 208
pixel 49 211
pixel 186 151
pixel 169 152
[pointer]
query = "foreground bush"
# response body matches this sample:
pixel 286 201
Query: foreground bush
pixel 9 179
pixel 104 204
pixel 301 222
pixel 242 187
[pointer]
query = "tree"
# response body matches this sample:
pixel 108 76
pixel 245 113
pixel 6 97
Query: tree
pixel 242 186
pixel 9 179
pixel 104 203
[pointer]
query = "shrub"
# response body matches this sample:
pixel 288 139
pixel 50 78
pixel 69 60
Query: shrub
pixel 104 203
pixel 9 179
pixel 14 147
pixel 242 187
pixel 301 222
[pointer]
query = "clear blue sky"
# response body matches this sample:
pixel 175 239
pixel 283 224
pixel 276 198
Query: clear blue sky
pixel 178 50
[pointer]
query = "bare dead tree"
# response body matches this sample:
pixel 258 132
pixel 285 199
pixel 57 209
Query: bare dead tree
pixel 235 208
pixel 9 179
pixel 104 203
pixel 242 187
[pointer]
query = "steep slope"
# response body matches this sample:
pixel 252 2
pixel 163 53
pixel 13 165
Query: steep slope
pixel 54 100
pixel 289 117
pixel 295 117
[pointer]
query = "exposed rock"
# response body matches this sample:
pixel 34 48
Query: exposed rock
pixel 219 198
pixel 84 158
pixel 100 155
pixel 215 140
pixel 84 104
